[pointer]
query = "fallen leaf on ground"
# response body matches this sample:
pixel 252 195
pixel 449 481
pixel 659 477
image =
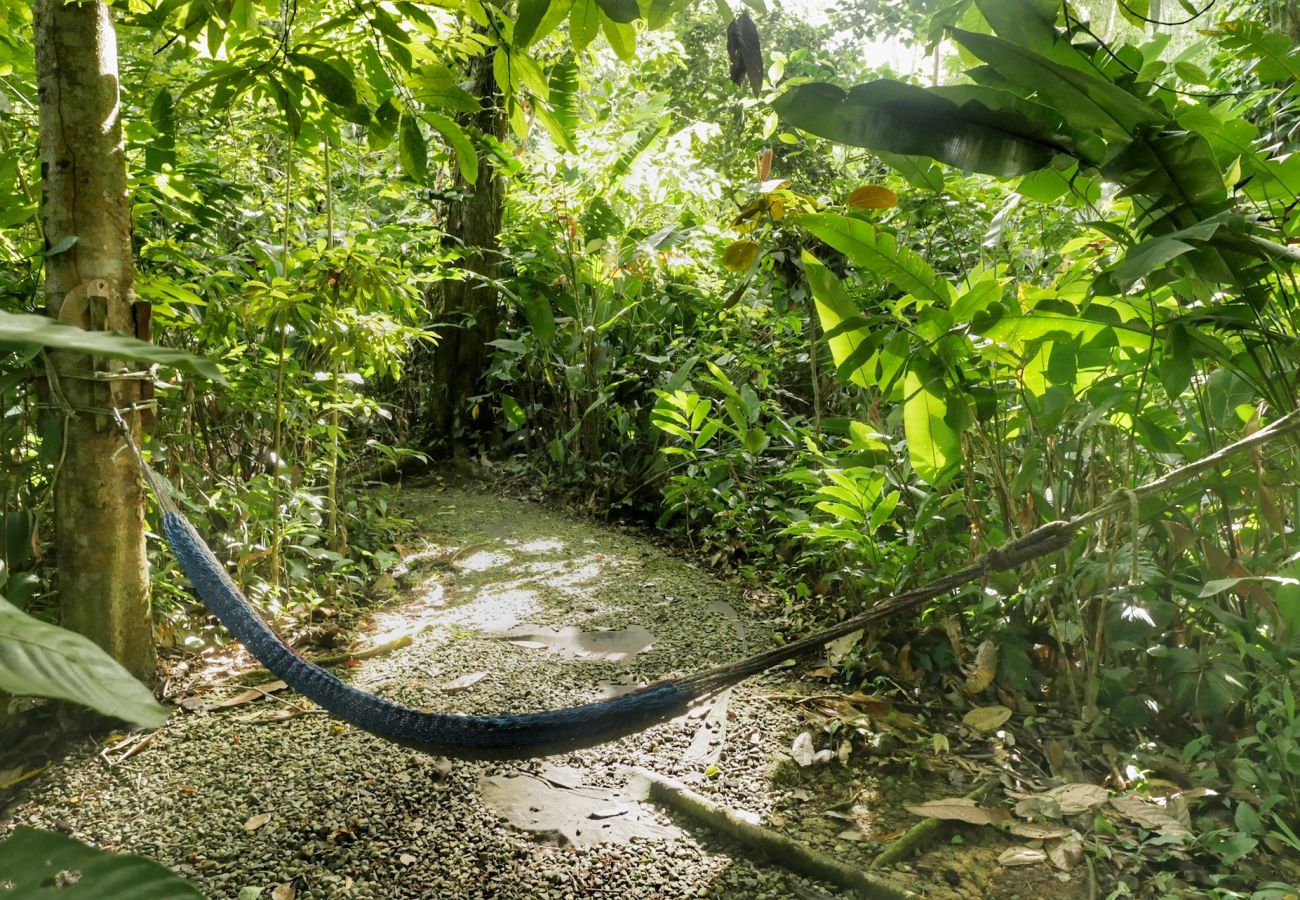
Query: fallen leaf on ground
pixel 285 891
pixel 247 696
pixel 1021 856
pixel 1078 798
pixel 1038 832
pixel 960 809
pixel 606 813
pixel 407 859
pixel 1149 815
pixel 257 821
pixel 802 749
pixel 851 834
pixel 464 682
pixel 986 718
pixel 1065 855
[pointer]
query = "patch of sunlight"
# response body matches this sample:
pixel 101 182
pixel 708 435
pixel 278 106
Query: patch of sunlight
pixel 542 545
pixel 500 607
pixel 483 560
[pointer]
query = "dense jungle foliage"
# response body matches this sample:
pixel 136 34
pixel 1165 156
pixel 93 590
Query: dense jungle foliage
pixel 918 277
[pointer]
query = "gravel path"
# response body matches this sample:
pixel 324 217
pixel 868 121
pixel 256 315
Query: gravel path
pixel 243 808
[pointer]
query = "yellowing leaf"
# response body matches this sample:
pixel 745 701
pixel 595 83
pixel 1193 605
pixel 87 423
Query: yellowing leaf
pixel 740 255
pixel 257 821
pixel 986 718
pixel 872 196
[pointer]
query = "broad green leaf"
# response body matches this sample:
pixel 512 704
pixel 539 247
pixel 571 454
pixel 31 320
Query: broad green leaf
pixel 1029 23
pixel 334 84
pixel 878 252
pixel 620 10
pixel 39 331
pixel 530 16
pixel 1034 325
pixel 933 446
pixel 32 861
pixel 466 158
pixel 1179 168
pixel 414 152
pixel 541 319
pixel 621 37
pixel 1086 101
pixel 1144 258
pixel 584 23
pixel 38 659
pixel 920 172
pixel 902 118
pixel 435 84
pixel 563 81
pixel 834 308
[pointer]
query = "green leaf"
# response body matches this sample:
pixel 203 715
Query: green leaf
pixel 933 446
pixel 1144 258
pixel 620 10
pixel 412 149
pixel 333 83
pixel 834 308
pixel 40 331
pixel 31 862
pixel 1029 23
pixel 621 37
pixel 878 252
pixel 1085 101
pixel 920 172
pixel 902 118
pixel 38 659
pixel 584 23
pixel 541 319
pixel 435 84
pixel 531 13
pixel 1036 324
pixel 466 158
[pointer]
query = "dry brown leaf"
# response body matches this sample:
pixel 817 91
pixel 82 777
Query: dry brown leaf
pixel 985 668
pixel 1036 832
pixel 407 859
pixel 1065 855
pixel 802 749
pixel 839 648
pixel 824 672
pixel 1021 856
pixel 257 821
pixel 1148 814
pixel 247 696
pixel 1077 798
pixel 285 891
pixel 464 682
pixel 851 834
pixel 986 718
pixel 960 809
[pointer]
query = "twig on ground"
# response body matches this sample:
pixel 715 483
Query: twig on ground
pixel 905 845
pixel 771 845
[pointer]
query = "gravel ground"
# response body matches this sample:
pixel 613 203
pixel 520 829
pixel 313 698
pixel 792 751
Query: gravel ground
pixel 351 816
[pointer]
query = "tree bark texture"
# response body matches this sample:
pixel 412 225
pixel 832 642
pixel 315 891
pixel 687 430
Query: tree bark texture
pixel 103 578
pixel 468 309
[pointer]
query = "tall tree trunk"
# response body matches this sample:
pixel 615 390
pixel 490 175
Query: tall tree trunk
pixel 103 577
pixel 469 308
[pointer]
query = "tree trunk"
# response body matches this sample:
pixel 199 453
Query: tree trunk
pixel 469 312
pixel 103 578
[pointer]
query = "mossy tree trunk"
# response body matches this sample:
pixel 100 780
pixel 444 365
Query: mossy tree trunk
pixel 103 578
pixel 468 309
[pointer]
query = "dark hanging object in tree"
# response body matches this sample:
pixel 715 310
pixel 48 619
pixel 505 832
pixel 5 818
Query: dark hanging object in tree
pixel 745 52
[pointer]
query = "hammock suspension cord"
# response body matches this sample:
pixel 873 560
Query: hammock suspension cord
pixel 536 734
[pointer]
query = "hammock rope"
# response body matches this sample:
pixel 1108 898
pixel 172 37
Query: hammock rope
pixel 536 734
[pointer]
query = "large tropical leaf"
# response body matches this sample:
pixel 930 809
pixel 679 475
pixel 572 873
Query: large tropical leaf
pixel 20 330
pixel 933 445
pixel 32 861
pixel 902 118
pixel 1086 101
pixel 38 659
pixel 878 252
pixel 844 329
